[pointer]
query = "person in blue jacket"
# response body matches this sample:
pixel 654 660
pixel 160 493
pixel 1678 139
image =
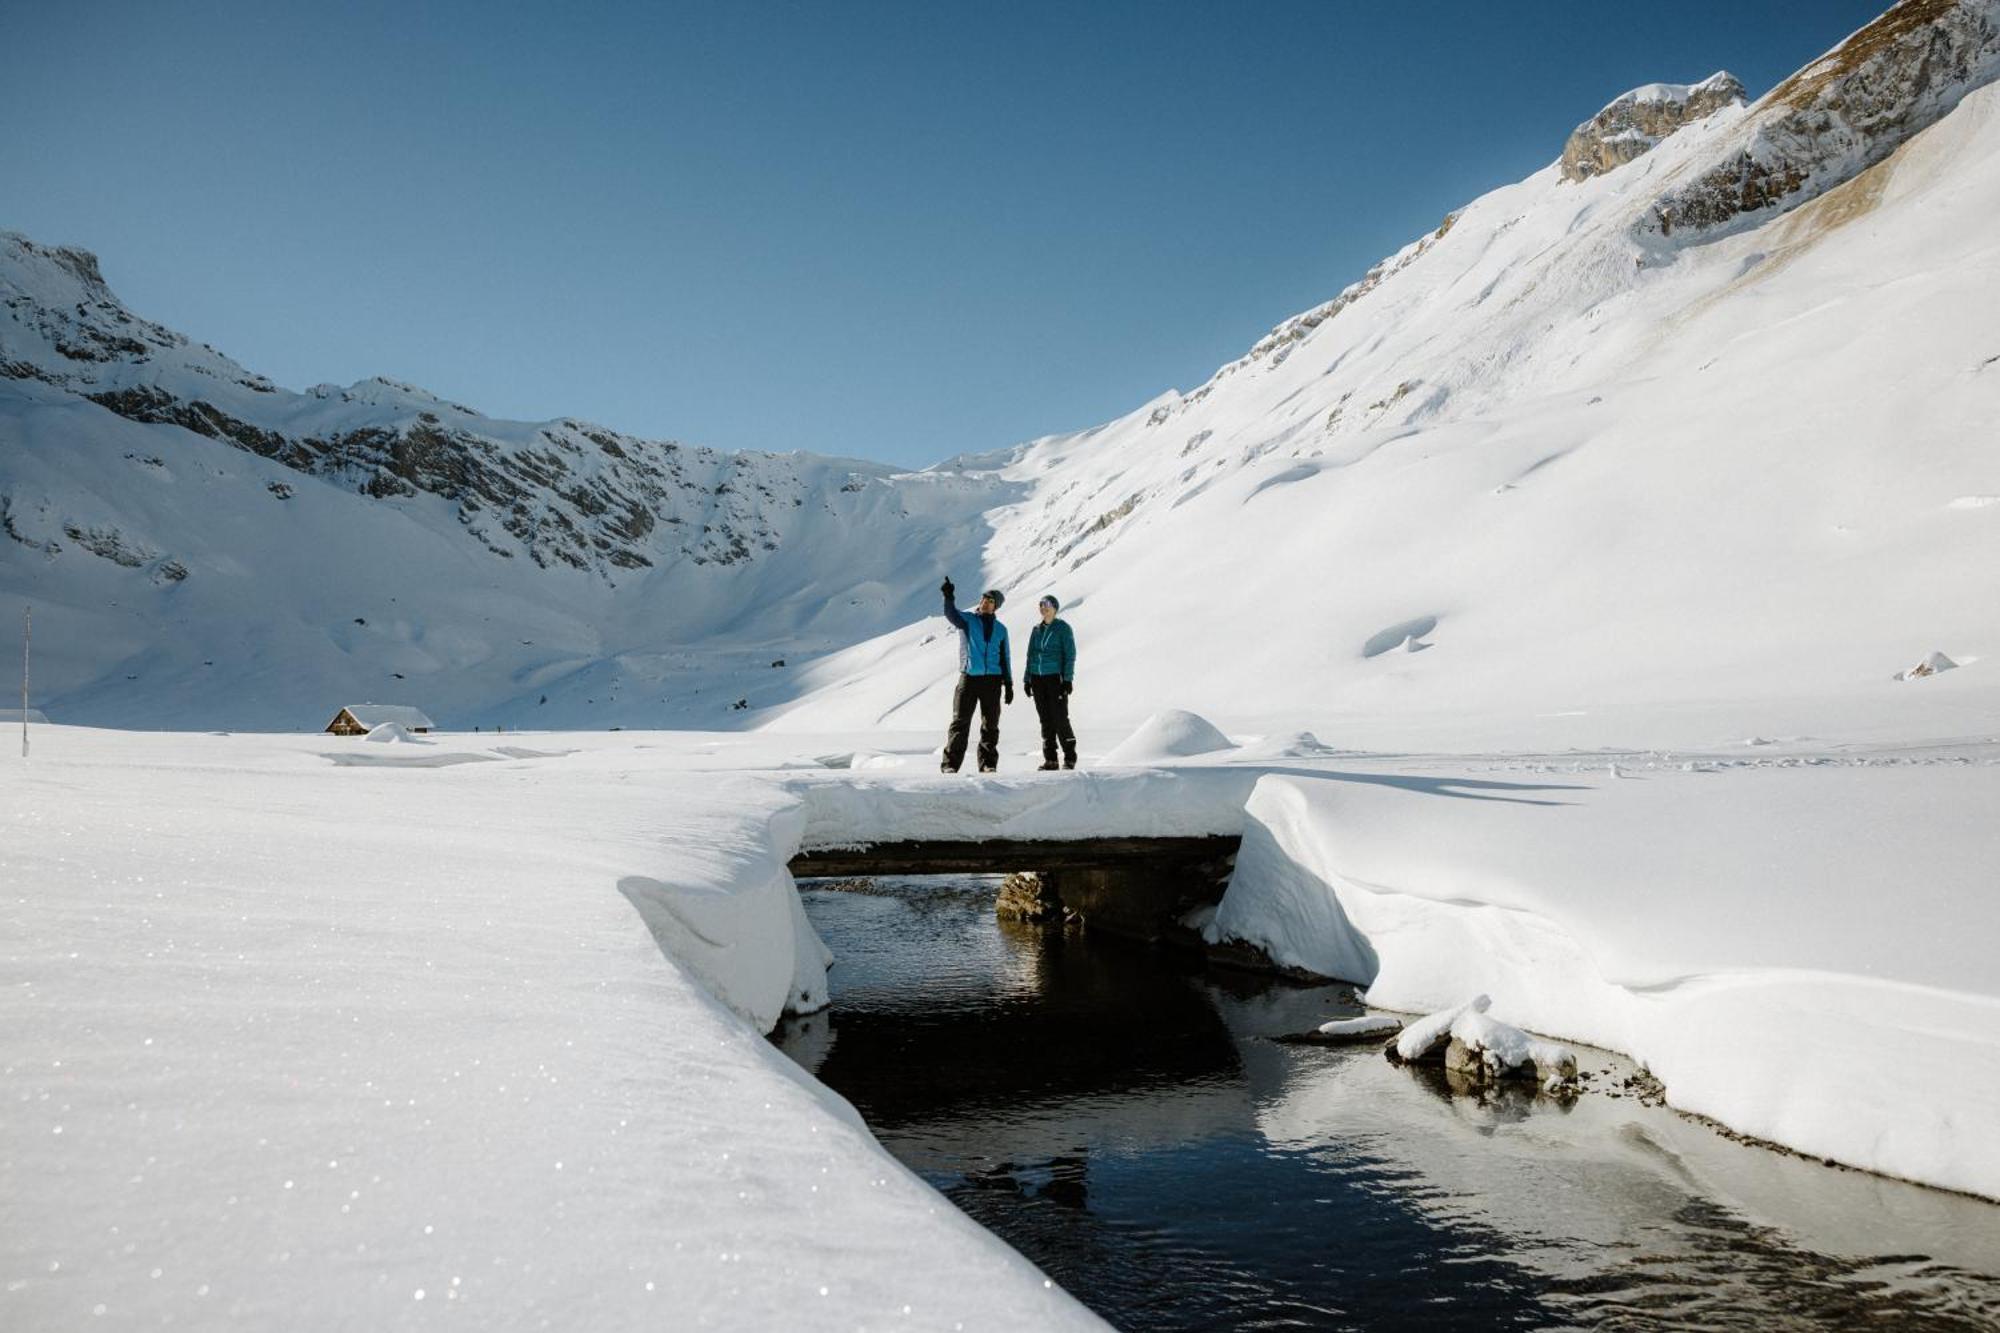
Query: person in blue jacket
pixel 985 676
pixel 1049 674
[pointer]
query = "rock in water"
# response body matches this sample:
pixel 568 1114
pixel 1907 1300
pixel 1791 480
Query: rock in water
pixel 1484 1050
pixel 1025 896
pixel 1423 1042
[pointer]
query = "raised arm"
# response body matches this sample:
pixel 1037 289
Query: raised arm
pixel 951 612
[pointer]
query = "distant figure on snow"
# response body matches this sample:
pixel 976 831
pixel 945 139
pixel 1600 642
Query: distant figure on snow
pixel 1048 675
pixel 985 674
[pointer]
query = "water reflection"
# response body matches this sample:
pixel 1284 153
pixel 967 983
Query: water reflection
pixel 1125 1124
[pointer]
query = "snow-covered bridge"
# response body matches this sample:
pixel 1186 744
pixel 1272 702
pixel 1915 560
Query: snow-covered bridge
pixel 1132 851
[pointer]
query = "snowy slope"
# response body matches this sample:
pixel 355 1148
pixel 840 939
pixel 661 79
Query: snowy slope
pixel 1801 951
pixel 1701 437
pixel 1556 458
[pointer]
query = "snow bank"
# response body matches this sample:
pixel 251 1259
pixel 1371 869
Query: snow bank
pixel 390 733
pixel 1169 734
pixel 1802 953
pixel 291 1044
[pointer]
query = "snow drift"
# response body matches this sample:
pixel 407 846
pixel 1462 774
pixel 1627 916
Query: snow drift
pixel 1799 952
pixel 1171 734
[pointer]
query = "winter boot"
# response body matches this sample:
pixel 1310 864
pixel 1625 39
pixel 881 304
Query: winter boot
pixel 1048 766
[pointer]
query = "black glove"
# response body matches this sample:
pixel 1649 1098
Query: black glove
pixel 1068 686
pixel 1028 687
pixel 1008 694
pixel 947 589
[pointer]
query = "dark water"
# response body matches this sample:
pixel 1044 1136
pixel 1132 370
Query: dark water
pixel 1124 1121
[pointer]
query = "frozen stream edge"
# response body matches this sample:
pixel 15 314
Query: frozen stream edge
pixel 310 1039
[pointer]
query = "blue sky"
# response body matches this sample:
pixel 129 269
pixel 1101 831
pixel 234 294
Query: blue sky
pixel 892 231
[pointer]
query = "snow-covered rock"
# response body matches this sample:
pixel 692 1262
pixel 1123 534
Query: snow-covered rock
pixel 1930 666
pixel 1486 1050
pixel 1633 124
pixel 1424 1041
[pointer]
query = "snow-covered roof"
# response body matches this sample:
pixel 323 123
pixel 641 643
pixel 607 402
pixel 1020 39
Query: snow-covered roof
pixel 374 715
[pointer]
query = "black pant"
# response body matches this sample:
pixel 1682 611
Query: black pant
pixel 1052 707
pixel 982 692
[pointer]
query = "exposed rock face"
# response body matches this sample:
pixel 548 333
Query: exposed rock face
pixel 1631 125
pixel 1843 113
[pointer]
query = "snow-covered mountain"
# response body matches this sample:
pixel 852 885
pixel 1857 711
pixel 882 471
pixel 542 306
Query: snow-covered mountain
pixel 1711 423
pixel 1700 413
pixel 206 548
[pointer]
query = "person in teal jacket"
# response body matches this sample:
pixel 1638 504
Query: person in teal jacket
pixel 985 676
pixel 1049 674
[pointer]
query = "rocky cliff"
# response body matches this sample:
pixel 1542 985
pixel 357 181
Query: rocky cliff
pixel 1841 114
pixel 1635 123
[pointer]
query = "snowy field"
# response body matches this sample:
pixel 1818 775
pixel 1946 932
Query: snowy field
pixel 302 1031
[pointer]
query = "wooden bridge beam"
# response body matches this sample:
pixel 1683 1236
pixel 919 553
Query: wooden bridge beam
pixel 1001 855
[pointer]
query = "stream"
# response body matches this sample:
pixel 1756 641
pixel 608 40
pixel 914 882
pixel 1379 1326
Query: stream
pixel 1121 1116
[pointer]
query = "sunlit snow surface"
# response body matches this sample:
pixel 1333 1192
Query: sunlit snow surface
pixel 302 1032
pixel 310 1026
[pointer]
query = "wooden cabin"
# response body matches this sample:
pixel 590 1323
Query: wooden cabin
pixel 360 719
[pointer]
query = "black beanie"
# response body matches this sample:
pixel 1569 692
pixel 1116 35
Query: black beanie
pixel 999 598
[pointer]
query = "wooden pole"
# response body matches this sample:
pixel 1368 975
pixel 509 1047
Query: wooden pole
pixel 27 637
